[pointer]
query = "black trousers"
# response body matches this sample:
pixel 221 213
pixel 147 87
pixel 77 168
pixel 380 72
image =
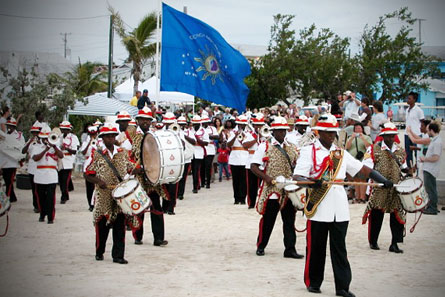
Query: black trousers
pixel 169 205
pixel 206 170
pixel 34 193
pixel 267 223
pixel 239 183
pixel 46 197
pixel 102 230
pixel 181 184
pixel 157 219
pixel 8 176
pixel 252 188
pixel 375 225
pixel 316 241
pixel 64 181
pixel 196 167
pixel 90 190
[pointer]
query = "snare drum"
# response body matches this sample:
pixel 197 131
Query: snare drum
pixel 162 155
pixel 130 197
pixel 412 195
pixel 297 195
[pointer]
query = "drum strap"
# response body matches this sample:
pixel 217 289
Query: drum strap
pixel 278 147
pixel 113 168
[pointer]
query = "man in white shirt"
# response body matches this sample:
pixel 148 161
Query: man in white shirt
pixel 123 140
pixel 413 116
pixel 327 207
pixel 206 168
pixel 69 145
pixel 202 139
pixel 188 137
pixel 28 149
pixel 301 126
pixel 46 157
pixel 277 158
pixel 350 105
pixel 237 160
pixel 12 163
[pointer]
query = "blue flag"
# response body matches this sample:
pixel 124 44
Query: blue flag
pixel 197 60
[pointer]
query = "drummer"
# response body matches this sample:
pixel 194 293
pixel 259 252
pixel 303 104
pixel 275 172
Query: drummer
pixel 278 158
pixel 144 119
pixel 387 157
pixel 107 214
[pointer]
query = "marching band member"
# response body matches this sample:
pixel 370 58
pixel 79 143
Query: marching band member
pixel 92 143
pixel 107 214
pixel 10 165
pixel 277 158
pixel 168 206
pixel 188 137
pixel 388 158
pixel 206 168
pixel 202 139
pixel 301 125
pixel 155 192
pixel 69 146
pixel 327 207
pixel 250 143
pixel 46 156
pixel 123 139
pixel 237 160
pixel 31 145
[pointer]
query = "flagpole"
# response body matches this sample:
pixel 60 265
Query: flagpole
pixel 158 56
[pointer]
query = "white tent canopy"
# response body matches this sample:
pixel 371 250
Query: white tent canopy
pixel 124 92
pixel 99 105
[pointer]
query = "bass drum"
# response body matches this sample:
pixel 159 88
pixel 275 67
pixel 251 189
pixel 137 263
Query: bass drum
pixel 162 156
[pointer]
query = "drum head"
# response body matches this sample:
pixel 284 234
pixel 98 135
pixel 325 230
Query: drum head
pixel 409 185
pixel 124 188
pixel 291 188
pixel 151 158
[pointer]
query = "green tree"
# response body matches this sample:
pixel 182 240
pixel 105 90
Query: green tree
pixel 85 79
pixel 137 42
pixel 394 64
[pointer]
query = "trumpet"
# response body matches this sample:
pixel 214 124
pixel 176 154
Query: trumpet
pixel 93 142
pixel 53 138
pixel 265 131
pixel 174 127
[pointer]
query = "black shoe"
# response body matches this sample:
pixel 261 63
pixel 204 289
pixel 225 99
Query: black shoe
pixel 430 212
pixel 395 249
pixel 374 246
pixel 171 212
pixel 242 202
pixel 292 254
pixel 314 290
pixel 128 228
pixel 91 208
pixel 12 200
pixel 181 197
pixel 120 261
pixel 50 222
pixel 99 257
pixel 41 219
pixel 260 252
pixel 159 242
pixel 344 293
pixel 250 206
pixel 62 201
pixel 208 187
pixel 236 202
pixel 443 208
pixel 138 242
pixel 36 210
pixel 195 191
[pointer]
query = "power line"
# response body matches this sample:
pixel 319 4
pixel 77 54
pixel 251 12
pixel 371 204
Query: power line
pixel 48 18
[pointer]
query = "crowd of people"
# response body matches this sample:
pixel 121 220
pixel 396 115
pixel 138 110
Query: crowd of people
pixel 318 148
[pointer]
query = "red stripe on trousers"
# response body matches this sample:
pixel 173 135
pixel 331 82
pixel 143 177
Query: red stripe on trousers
pixel 97 236
pixel 38 199
pixel 68 183
pixel 260 234
pixel 247 182
pixel 11 184
pixel 54 206
pixel 307 280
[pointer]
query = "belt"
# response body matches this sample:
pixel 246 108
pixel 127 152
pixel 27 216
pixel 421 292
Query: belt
pixel 46 167
pixel 238 149
pixel 251 152
pixel 67 154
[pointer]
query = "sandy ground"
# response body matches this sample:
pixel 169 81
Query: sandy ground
pixel 211 252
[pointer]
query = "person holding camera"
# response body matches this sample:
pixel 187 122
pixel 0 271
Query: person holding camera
pixel 356 145
pixel 350 105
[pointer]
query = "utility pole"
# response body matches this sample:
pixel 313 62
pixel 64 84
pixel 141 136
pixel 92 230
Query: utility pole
pixel 110 60
pixel 65 40
pixel 420 29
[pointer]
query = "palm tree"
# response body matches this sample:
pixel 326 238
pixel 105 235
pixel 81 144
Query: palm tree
pixel 86 80
pixel 137 42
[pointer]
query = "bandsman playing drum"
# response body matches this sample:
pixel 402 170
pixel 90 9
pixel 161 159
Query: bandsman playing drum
pixel 107 214
pixel 387 157
pixel 327 206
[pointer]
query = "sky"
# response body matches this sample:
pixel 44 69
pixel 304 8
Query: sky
pixel 86 22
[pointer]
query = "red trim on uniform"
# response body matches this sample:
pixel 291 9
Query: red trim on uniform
pixel 46 167
pixel 54 206
pixel 398 218
pixel 307 280
pixel 327 125
pixel 12 183
pixel 90 172
pixel 97 235
pixel 68 182
pixel 247 183
pixel 38 199
pixel 260 233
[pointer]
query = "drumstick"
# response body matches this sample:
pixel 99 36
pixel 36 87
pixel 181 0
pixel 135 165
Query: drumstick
pixel 338 183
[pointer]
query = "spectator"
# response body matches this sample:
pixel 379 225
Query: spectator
pixel 389 114
pixel 135 99
pixel 223 161
pixel 431 167
pixel 422 143
pixel 413 116
pixel 377 119
pixel 144 100
pixel 350 105
pixel 366 110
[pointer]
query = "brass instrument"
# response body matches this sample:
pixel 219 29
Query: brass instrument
pixel 174 127
pixel 265 131
pixel 54 136
pixel 94 142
